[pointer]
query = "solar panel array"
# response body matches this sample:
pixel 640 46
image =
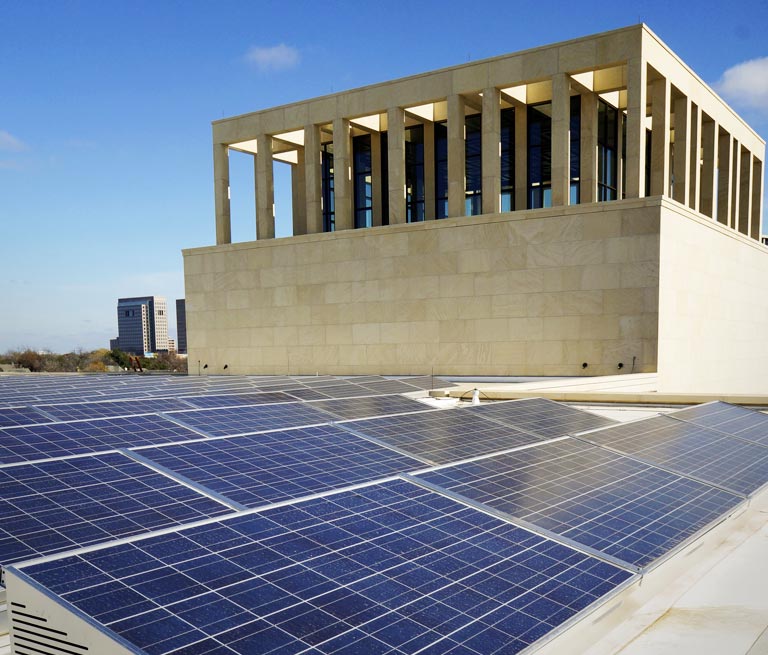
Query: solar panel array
pixel 398 528
pixel 730 419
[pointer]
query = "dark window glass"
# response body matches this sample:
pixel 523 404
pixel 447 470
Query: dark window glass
pixel 607 150
pixel 623 117
pixel 575 150
pixel 648 151
pixel 384 179
pixel 329 209
pixel 540 155
pixel 473 165
pixel 507 159
pixel 414 173
pixel 441 170
pixel 363 180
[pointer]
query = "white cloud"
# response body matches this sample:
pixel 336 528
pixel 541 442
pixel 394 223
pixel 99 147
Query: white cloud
pixel 11 143
pixel 746 84
pixel 274 58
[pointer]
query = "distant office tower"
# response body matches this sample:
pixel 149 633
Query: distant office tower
pixel 171 345
pixel 142 324
pixel 181 325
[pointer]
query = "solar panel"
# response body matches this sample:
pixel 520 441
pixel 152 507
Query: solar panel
pixel 390 568
pixel 304 393
pixel 49 440
pixel 233 400
pixel 345 391
pixel 21 416
pixel 442 436
pixel 252 418
pixel 428 382
pixel 58 505
pixel 353 408
pixel 76 411
pixel 545 418
pixel 617 505
pixel 692 450
pixel 269 467
pixel 731 419
pixel 390 386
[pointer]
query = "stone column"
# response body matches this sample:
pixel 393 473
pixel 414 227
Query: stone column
pixel 637 75
pixel 745 187
pixel 660 91
pixel 396 164
pixel 342 174
pixel 376 185
pixel 265 188
pixel 724 159
pixel 588 154
pixel 313 179
pixel 429 171
pixel 757 198
pixel 694 159
pixel 491 151
pixel 521 155
pixel 682 170
pixel 456 157
pixel 561 132
pixel 708 186
pixel 221 193
pixel 299 189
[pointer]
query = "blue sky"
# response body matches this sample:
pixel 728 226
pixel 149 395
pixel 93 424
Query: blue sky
pixel 105 112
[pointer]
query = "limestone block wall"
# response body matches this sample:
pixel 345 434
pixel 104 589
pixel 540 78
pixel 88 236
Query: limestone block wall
pixel 529 293
pixel 713 307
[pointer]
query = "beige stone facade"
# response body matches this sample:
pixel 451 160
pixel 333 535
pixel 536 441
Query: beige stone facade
pixel 535 291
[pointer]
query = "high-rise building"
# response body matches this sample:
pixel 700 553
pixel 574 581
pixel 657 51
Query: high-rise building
pixel 181 326
pixel 142 324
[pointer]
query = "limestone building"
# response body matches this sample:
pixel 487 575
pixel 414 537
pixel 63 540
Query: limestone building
pixel 585 207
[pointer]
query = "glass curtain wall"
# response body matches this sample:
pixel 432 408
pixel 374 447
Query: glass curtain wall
pixel 441 170
pixel 473 172
pixel 507 159
pixel 414 173
pixel 540 155
pixel 607 150
pixel 329 209
pixel 363 180
pixel 575 150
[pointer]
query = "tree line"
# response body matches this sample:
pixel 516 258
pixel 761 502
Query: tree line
pixel 101 360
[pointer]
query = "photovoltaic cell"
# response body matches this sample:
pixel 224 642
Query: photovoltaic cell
pixel 345 391
pixel 269 467
pixel 236 399
pixel 252 418
pixel 443 436
pixel 692 450
pixel 353 408
pixel 390 386
pixel 615 504
pixel 57 505
pixel 76 411
pixel 734 420
pixel 21 416
pixel 542 417
pixel 305 393
pixel 391 568
pixel 32 442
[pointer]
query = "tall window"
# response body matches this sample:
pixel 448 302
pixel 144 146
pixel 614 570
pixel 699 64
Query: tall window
pixel 414 173
pixel 329 207
pixel 363 180
pixel 384 145
pixel 540 155
pixel 575 150
pixel 507 159
pixel 607 151
pixel 441 170
pixel 473 172
pixel 623 154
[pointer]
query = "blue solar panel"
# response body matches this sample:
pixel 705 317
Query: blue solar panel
pixel 21 416
pixel 112 408
pixel 31 442
pixel 542 417
pixel 254 418
pixel 259 469
pixel 236 399
pixel 731 419
pixel 714 457
pixel 615 504
pixel 58 505
pixel 354 408
pixel 391 568
pixel 442 436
